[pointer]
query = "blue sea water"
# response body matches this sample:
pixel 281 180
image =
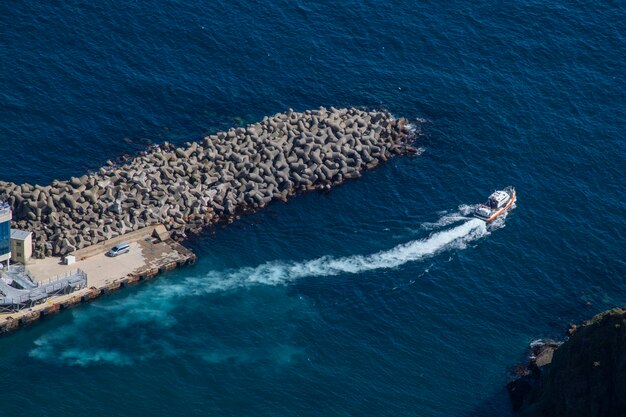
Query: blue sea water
pixel 378 298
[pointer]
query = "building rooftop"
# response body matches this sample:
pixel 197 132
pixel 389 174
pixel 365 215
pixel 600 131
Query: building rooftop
pixel 19 234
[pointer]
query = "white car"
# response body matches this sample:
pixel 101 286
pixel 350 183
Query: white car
pixel 118 249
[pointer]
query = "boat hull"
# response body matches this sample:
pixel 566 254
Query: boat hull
pixel 500 211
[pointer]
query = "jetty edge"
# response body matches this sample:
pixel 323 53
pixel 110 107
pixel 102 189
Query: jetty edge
pixel 152 252
pixel 157 198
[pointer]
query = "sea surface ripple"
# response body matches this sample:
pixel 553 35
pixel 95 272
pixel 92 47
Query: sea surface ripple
pixel 379 298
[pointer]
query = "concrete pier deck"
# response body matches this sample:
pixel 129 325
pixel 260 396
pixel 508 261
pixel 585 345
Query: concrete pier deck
pixel 151 252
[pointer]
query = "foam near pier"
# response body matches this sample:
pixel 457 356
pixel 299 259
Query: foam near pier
pixel 284 272
pixel 154 309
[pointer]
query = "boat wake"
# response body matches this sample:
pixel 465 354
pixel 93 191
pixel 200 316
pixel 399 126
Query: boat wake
pixel 285 272
pixel 155 306
pixel 463 213
pixel 280 272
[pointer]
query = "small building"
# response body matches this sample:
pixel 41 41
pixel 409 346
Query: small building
pixel 21 245
pixel 69 259
pixel 5 233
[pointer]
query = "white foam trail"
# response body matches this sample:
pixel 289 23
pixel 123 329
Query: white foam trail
pixel 277 273
pixel 447 219
pixel 68 346
pixel 284 272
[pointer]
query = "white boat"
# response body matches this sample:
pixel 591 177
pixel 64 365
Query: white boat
pixel 498 203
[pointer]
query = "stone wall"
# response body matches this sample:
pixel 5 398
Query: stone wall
pixel 206 182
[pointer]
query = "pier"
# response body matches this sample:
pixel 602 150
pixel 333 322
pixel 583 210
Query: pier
pixel 152 252
pixel 155 199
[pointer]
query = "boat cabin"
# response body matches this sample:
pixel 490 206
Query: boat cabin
pixel 498 199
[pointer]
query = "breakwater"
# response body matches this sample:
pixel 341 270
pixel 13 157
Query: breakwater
pixel 202 183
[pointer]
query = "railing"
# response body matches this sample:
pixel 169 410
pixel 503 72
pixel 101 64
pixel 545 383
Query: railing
pixel 52 286
pixel 73 272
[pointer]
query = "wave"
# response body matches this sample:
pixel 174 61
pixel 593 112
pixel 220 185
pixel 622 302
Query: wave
pixel 446 219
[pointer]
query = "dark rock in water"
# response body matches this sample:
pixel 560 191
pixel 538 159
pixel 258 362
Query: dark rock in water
pixel 540 354
pixel 518 391
pixel 586 376
pixel 571 329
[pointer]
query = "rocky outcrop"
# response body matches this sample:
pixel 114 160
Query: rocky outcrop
pixel 187 188
pixel 586 376
pixel 526 375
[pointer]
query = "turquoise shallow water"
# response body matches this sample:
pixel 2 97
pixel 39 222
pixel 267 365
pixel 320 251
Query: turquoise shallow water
pixel 378 298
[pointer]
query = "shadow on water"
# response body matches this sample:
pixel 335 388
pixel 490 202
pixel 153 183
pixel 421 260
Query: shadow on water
pixel 497 405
